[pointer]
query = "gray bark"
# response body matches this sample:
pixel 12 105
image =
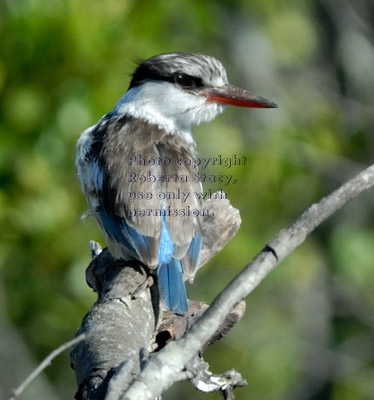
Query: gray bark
pixel 180 358
pixel 126 323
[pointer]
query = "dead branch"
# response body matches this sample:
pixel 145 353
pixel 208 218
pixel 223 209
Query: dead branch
pixel 127 325
pixel 163 369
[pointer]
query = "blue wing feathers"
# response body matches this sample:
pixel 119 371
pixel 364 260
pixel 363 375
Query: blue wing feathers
pixel 122 233
pixel 166 251
pixel 113 227
pixel 191 260
pixel 194 250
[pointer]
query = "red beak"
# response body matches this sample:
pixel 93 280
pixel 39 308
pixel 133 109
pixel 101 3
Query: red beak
pixel 236 97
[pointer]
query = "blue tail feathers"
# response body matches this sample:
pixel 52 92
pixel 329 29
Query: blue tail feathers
pixel 170 274
pixel 171 286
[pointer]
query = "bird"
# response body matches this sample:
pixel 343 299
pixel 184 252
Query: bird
pixel 134 160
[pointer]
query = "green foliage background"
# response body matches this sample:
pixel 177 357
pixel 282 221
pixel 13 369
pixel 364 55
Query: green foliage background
pixel 308 330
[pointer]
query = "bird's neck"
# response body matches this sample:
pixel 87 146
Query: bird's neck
pixel 152 111
pixel 168 107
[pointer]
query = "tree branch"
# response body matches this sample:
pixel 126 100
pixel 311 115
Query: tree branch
pixel 126 320
pixel 163 369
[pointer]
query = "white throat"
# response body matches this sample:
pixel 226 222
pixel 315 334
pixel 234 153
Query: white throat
pixel 169 107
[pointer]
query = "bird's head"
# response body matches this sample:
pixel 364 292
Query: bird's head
pixel 183 89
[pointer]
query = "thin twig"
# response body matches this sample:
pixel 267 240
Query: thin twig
pixel 44 364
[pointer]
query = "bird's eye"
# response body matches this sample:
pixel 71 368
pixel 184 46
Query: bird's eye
pixel 187 81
